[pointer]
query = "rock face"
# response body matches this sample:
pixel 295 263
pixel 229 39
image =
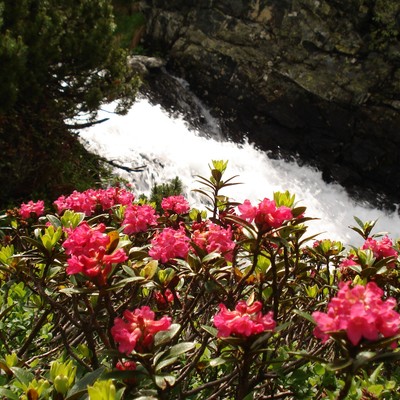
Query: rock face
pixel 314 78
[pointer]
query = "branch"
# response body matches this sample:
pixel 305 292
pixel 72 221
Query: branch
pixel 128 169
pixel 86 124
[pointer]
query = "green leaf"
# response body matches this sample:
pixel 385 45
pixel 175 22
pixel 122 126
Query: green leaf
pixel 210 257
pixel 339 364
pixel 164 363
pixel 181 348
pixel 217 361
pixel 22 375
pixel 54 220
pixel 129 270
pixel 319 369
pixel 8 394
pixel 80 387
pixel 210 329
pixel 124 282
pixel 79 290
pixel 146 398
pixel 261 339
pixel 163 381
pixel 375 389
pixel 305 315
pixel 150 269
pixel 163 337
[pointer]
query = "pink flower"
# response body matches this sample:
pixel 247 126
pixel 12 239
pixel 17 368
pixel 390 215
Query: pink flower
pixel 32 208
pixel 87 248
pixel 360 312
pixel 138 218
pixel 168 244
pixel 91 200
pixel 175 204
pixel 247 211
pixel 381 249
pixel 243 321
pixel 266 215
pixel 214 238
pixel 136 329
pixel 347 262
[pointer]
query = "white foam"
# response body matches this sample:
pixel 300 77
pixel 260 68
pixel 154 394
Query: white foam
pixel 168 147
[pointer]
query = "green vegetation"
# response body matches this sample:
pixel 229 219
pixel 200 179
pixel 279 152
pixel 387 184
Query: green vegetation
pixel 159 191
pixel 58 60
pixel 107 299
pixel 129 30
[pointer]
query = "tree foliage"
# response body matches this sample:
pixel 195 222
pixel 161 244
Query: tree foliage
pixel 59 60
pixel 63 55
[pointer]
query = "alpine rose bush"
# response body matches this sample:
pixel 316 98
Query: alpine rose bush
pixel 381 248
pixel 265 215
pixel 169 244
pixel 139 218
pixel 214 238
pixel 87 248
pixel 30 208
pixel 89 200
pixel 360 312
pixel 136 330
pixel 94 289
pixel 244 320
pixel 175 204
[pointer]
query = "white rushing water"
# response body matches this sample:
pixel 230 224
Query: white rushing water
pixel 168 147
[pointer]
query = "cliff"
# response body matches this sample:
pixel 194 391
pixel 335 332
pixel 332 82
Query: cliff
pixel 314 78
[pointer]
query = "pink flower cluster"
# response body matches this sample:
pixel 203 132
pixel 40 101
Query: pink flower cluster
pixel 32 208
pixel 175 204
pixel 215 239
pixel 168 244
pixel 90 200
pixel 381 249
pixel 243 321
pixel 136 330
pixel 266 215
pixel 138 218
pixel 87 248
pixel 360 312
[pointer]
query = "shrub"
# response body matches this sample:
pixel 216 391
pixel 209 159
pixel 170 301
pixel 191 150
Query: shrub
pixel 240 304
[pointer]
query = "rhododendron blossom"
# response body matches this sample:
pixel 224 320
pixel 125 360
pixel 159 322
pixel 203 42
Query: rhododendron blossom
pixel 126 365
pixel 136 330
pixel 87 248
pixel 245 320
pixel 360 312
pixel 381 249
pixel 348 262
pixel 176 204
pixel 164 298
pixel 168 244
pixel 32 208
pixel 89 200
pixel 266 215
pixel 214 238
pixel 138 218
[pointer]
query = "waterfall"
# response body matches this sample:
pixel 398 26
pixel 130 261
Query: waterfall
pixel 168 146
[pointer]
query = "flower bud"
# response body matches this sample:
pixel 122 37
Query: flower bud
pixel 61 384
